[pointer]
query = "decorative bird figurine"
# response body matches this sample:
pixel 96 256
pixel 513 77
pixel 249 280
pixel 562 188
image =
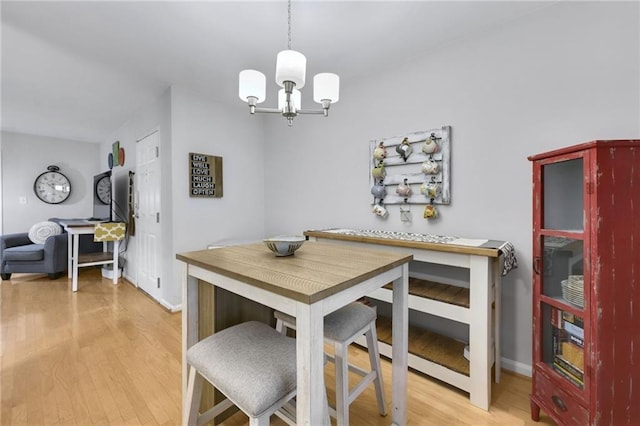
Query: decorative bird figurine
pixel 404 149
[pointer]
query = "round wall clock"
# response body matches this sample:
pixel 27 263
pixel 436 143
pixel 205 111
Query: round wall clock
pixel 52 187
pixel 103 189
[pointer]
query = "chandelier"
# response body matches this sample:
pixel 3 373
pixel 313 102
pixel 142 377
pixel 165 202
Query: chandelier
pixel 290 74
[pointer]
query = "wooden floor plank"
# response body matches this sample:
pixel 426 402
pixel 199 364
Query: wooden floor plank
pixel 109 355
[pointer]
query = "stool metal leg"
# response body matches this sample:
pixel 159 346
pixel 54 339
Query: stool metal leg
pixel 374 358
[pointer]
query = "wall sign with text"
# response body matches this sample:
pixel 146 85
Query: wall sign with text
pixel 205 173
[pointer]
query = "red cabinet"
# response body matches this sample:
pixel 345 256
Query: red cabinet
pixel 586 294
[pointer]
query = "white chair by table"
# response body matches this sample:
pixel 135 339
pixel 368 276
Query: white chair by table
pixel 341 328
pixel 252 364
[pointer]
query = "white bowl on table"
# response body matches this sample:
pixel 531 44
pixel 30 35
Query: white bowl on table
pixel 284 245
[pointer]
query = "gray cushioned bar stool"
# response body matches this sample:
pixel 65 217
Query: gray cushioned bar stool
pixel 341 328
pixel 252 364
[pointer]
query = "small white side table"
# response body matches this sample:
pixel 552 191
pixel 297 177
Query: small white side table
pixel 75 261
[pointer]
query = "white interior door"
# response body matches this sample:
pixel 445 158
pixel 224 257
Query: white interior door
pixel 1 220
pixel 147 213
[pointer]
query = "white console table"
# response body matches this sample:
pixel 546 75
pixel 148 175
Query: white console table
pixel 75 229
pixel 484 261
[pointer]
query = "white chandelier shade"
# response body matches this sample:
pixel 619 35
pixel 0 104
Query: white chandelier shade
pixel 296 98
pixel 252 84
pixel 291 66
pixel 326 87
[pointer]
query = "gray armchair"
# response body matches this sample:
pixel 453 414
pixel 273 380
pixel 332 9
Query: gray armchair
pixel 19 254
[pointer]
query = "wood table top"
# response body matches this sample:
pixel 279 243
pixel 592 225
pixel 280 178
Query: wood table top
pixel 489 248
pixel 316 270
pixel 80 223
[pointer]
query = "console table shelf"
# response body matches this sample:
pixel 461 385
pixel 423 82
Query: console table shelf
pixel 97 258
pixel 445 293
pixel 427 345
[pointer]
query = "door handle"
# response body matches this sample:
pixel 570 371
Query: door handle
pixel 536 265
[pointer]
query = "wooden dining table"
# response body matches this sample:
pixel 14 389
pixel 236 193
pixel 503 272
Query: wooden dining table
pixel 315 281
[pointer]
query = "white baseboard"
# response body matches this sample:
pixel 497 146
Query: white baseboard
pixel 170 307
pixel 164 303
pixel 131 280
pixel 516 367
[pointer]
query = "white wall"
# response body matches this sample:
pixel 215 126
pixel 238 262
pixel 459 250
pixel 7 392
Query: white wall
pixel 564 75
pixel 153 117
pixel 24 157
pixel 204 126
pixel 187 122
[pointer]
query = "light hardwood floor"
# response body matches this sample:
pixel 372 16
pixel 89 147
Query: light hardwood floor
pixel 109 355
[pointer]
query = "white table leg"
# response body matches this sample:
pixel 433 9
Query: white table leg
pixel 310 364
pixel 497 318
pixel 116 255
pixel 400 347
pixel 70 254
pixel 480 331
pixel 74 282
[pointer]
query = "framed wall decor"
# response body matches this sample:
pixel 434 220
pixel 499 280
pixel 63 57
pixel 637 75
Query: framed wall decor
pixel 205 176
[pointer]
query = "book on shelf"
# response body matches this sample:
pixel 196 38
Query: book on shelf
pixel 574 330
pixel 570 368
pixel 564 373
pixel 576 340
pixel 567 334
pixel 573 354
pixel 558 336
pixel 556 317
pixel 573 319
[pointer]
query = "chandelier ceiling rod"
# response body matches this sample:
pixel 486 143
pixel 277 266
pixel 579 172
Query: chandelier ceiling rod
pixel 289 24
pixel 290 75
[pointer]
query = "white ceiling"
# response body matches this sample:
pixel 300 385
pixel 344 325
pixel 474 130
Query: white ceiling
pixel 77 70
